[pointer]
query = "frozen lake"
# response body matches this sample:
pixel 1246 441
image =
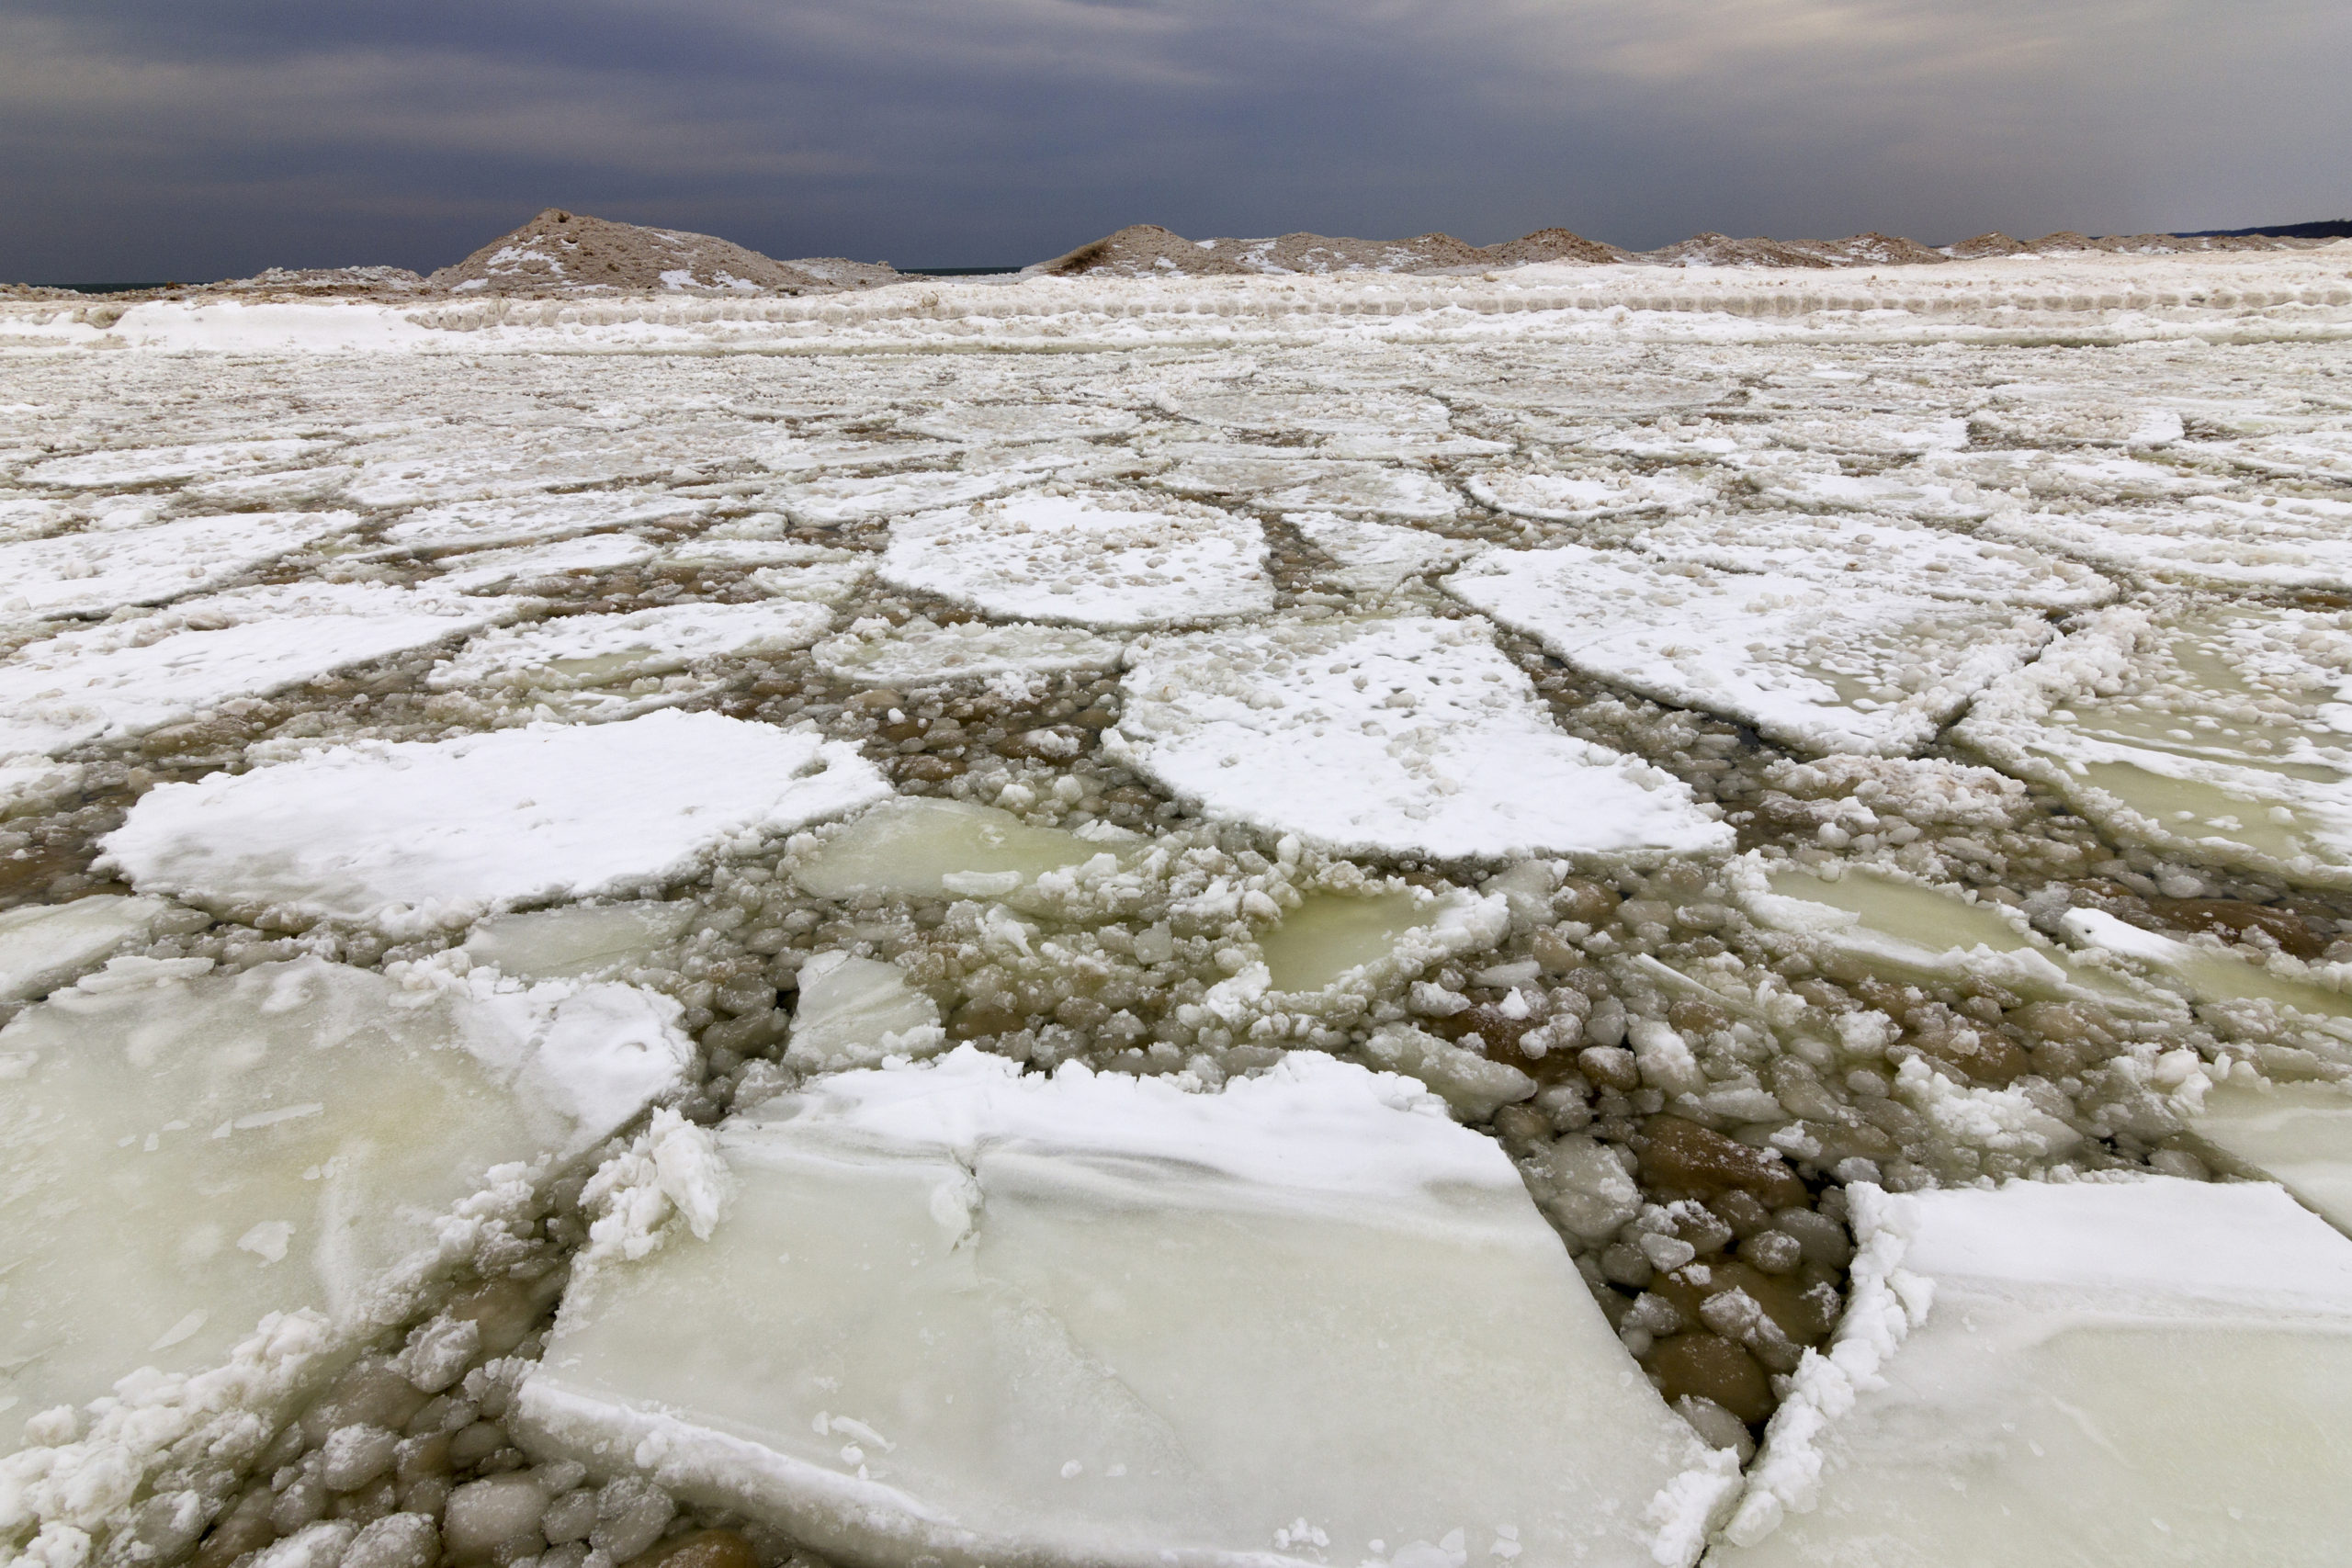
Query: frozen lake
pixel 1587 915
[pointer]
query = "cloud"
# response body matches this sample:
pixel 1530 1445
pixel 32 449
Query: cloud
pixel 154 138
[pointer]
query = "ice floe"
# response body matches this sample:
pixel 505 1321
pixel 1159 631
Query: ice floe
pixel 1411 736
pixel 1826 669
pixel 577 941
pixel 1098 560
pixel 2299 1135
pixel 2146 1370
pixel 43 946
pixel 414 834
pixel 1601 493
pixel 921 847
pixel 94 571
pixel 472 525
pixel 126 678
pixel 1377 557
pixel 1100 1320
pixel 605 667
pixel 481 570
pixel 920 652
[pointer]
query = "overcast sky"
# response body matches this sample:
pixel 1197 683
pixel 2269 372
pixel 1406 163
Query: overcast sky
pixel 200 139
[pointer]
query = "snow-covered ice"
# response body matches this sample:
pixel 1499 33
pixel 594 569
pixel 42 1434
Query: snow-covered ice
pixel 93 572
pixel 1824 668
pixel 920 652
pixel 1100 1320
pixel 416 835
pixel 193 1152
pixel 1375 558
pixel 1091 560
pixel 2148 1372
pixel 1399 736
pixel 481 570
pixel 605 667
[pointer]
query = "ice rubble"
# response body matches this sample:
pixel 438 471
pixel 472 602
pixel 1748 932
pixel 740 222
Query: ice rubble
pixel 2147 1372
pixel 920 652
pixel 94 571
pixel 2214 731
pixel 1089 559
pixel 2299 1135
pixel 1408 735
pixel 482 569
pixel 1819 666
pixel 534 519
pixel 1101 1320
pixel 290 1159
pixel 612 666
pixel 125 678
pixel 1570 497
pixel 415 834
pixel 2288 997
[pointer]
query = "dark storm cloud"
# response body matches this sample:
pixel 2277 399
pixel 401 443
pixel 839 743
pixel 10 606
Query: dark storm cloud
pixel 155 138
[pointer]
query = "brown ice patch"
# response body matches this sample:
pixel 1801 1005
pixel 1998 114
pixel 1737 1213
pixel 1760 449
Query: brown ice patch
pixel 561 252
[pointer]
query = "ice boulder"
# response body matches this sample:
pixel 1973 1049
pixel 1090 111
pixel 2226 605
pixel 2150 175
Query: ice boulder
pixel 415 834
pixel 2150 1371
pixel 959 1315
pixel 223 1183
pixel 1405 735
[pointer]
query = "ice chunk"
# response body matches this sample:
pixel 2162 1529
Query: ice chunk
pixel 1598 493
pixel 37 786
pixel 832 502
pixel 483 570
pixel 1080 559
pixel 121 680
pixel 1888 554
pixel 915 847
pixel 2224 542
pixel 2213 972
pixel 2079 1375
pixel 1403 736
pixel 45 946
pixel 2299 1135
pixel 1826 669
pixel 469 525
pixel 1472 1086
pixel 164 465
pixel 855 1012
pixel 191 1154
pixel 2217 732
pixel 411 835
pixel 1377 556
pixel 1098 1320
pixel 606 667
pixel 97 570
pixel 577 940
pixel 1369 489
pixel 1024 420
pixel 1363 941
pixel 822 582
pixel 922 653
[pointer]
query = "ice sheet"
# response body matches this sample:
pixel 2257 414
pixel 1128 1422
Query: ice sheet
pixel 43 946
pixel 2150 1371
pixel 1411 736
pixel 920 652
pixel 1826 669
pixel 1101 1321
pixel 411 834
pixel 2299 1135
pixel 482 570
pixel 527 519
pixel 94 571
pixel 606 667
pixel 1376 558
pixel 1087 560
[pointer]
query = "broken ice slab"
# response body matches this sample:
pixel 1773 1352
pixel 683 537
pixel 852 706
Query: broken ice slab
pixel 534 519
pixel 2299 1135
pixel 1376 558
pixel 577 940
pixel 125 468
pixel 191 1152
pixel 2223 542
pixel 1363 941
pixel 915 847
pixel 45 946
pixel 1024 421
pixel 1586 494
pixel 1917 932
pixel 1891 554
pixel 101 569
pixel 1820 667
pixel 121 680
pixel 831 501
pixel 482 569
pixel 1085 559
pixel 2282 991
pixel 1406 736
pixel 958 1313
pixel 2150 1371
pixel 1369 489
pixel 858 1012
pixel 606 667
pixel 411 835
pixel 919 652
pixel 2218 732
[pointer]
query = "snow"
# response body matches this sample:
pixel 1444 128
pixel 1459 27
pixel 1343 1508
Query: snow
pixel 127 677
pixel 304 1139
pixel 212 459
pixel 1091 1319
pixel 2143 1370
pixel 1406 736
pixel 1085 561
pixel 1867 669
pixel 606 667
pixel 411 835
pixel 97 570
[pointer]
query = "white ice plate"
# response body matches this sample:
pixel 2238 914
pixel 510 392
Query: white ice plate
pixel 43 946
pixel 411 835
pixel 919 652
pixel 190 1153
pixel 2154 1373
pixel 482 570
pixel 604 666
pixel 468 525
pixel 99 570
pixel 1408 735
pixel 955 1314
pixel 1376 558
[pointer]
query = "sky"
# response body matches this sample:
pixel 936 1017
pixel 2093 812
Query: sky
pixel 146 140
